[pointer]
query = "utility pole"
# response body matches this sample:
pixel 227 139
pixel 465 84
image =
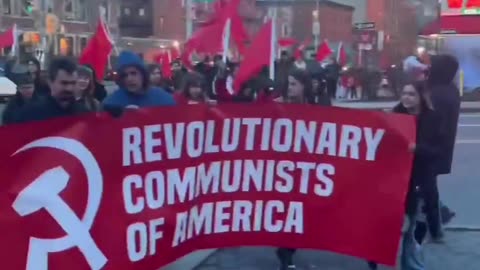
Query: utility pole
pixel 189 18
pixel 316 25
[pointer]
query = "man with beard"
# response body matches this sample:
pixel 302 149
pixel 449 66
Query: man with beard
pixel 62 78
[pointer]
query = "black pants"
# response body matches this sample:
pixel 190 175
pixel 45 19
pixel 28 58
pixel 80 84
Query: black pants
pixel 429 190
pixel 285 256
pixel 332 88
pixel 353 92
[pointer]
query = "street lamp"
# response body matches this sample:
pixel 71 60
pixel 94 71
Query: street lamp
pixel 176 44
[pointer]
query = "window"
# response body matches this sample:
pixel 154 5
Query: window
pixel 66 46
pixel 141 12
pixel 68 6
pixel 126 11
pixel 162 22
pixel 75 10
pixel 7 7
pixel 83 43
pixel 285 30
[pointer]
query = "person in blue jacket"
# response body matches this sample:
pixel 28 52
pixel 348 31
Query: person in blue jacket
pixel 134 89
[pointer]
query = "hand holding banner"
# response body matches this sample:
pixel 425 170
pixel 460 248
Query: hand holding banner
pixel 210 177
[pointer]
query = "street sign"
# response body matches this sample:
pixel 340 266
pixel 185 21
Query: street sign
pixel 365 26
pixel 316 28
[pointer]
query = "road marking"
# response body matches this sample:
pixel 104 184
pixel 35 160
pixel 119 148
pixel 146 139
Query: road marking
pixel 470 115
pixel 469 125
pixel 467 141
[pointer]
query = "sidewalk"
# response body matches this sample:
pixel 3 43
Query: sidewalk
pixel 466 106
pixel 461 251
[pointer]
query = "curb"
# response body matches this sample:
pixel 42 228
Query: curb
pixel 462 228
pixel 384 109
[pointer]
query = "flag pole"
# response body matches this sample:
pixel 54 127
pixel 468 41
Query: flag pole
pixel 340 45
pixel 15 46
pixel 226 39
pixel 273 43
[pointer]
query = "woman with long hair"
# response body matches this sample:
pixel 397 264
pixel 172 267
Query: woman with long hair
pixel 298 91
pixel 415 101
pixel 194 90
pixel 85 89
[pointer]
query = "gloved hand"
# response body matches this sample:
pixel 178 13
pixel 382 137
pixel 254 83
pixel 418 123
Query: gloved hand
pixel 114 111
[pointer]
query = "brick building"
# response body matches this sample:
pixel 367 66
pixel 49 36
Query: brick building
pixel 76 20
pixel 397 20
pixel 334 19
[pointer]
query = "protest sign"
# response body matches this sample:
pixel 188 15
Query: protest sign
pixel 142 190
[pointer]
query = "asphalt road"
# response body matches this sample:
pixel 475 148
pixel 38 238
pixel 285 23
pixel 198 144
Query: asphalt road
pixel 460 190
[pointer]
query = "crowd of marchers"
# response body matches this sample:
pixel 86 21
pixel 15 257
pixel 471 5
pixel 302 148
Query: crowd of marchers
pixel 69 89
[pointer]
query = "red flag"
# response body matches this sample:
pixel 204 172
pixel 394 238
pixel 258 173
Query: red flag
pixel 225 11
pixel 323 51
pixel 165 61
pixel 8 38
pixel 342 57
pixel 207 39
pixel 256 57
pixel 98 50
pixel 301 48
pixel 287 42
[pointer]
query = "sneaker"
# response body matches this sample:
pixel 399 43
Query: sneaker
pixel 372 266
pixel 447 215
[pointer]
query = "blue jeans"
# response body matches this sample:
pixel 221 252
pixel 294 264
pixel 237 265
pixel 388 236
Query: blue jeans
pixel 411 257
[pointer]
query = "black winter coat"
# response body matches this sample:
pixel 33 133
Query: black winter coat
pixel 428 150
pixel 13 107
pixel 446 102
pixel 45 108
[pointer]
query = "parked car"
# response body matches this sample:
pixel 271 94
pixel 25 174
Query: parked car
pixel 7 89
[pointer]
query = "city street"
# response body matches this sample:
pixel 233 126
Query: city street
pixel 459 191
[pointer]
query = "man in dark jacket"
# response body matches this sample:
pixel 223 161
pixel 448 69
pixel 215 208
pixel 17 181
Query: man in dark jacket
pixel 62 77
pixel 41 87
pixel 446 102
pixel 20 75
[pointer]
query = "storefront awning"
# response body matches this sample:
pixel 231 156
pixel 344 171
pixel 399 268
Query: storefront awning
pixel 454 24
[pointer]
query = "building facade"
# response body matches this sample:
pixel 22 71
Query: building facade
pixel 75 20
pixel 360 6
pixel 396 21
pixel 332 20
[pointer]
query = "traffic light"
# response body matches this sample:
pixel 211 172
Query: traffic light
pixel 29 6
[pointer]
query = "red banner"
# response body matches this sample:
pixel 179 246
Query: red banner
pixel 140 191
